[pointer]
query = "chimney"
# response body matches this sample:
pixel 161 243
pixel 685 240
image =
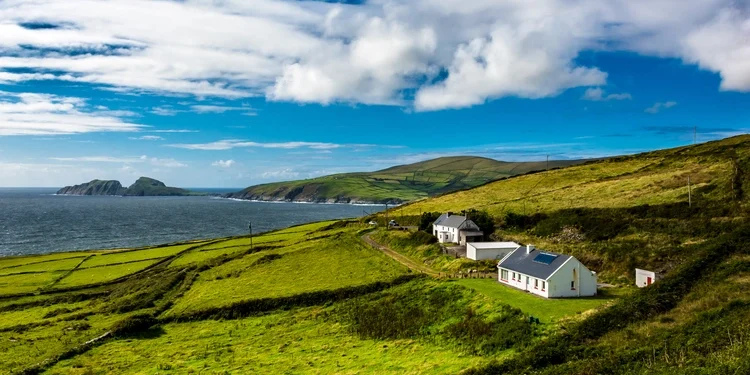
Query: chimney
pixel 529 249
pixel 449 214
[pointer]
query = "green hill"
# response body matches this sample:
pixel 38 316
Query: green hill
pixel 317 298
pixel 397 184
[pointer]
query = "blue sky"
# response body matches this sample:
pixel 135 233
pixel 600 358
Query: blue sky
pixel 224 94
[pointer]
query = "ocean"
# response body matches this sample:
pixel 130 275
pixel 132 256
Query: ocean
pixel 35 221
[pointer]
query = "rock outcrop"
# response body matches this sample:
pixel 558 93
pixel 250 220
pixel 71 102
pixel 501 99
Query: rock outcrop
pixel 144 186
pixel 95 187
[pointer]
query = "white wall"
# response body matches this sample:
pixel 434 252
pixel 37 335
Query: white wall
pixel 641 277
pixel 585 285
pixel 452 233
pixel 482 254
pixel 525 282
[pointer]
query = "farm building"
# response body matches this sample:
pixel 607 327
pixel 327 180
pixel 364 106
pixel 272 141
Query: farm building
pixel 546 274
pixel 645 278
pixel 449 228
pixel 489 250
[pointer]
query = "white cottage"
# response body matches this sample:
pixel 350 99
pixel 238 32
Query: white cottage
pixel 489 250
pixel 546 274
pixel 457 229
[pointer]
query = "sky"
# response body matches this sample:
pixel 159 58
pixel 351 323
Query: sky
pixel 232 93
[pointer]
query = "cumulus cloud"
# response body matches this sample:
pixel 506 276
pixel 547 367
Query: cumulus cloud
pixel 46 114
pixel 659 106
pixel 426 54
pixel 223 163
pixel 597 94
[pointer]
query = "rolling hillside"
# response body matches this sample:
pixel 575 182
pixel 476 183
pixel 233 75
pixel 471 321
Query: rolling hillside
pixel 717 171
pixel 397 184
pixel 317 298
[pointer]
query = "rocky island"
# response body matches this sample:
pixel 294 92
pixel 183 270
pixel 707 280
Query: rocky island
pixel 144 186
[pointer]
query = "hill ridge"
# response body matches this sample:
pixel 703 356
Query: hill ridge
pixel 396 184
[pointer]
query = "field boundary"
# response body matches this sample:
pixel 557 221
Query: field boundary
pixel 406 261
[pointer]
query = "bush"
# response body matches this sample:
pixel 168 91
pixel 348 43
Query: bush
pixel 133 325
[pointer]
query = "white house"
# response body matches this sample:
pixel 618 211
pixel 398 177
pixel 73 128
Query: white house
pixel 645 278
pixel 456 229
pixel 546 274
pixel 489 250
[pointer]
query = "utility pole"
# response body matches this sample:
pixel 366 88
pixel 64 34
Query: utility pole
pixel 690 194
pixel 387 225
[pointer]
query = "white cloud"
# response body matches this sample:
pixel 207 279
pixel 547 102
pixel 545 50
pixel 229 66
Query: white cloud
pixel 46 114
pixel 223 163
pixel 596 94
pixel 285 173
pixel 233 143
pixel 147 138
pixel 99 159
pixel 658 106
pixel 221 109
pixel 444 53
pixel 157 162
pixel 174 131
pixel 165 111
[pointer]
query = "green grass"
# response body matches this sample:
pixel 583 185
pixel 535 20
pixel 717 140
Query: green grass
pixel 653 178
pixel 401 183
pixel 6 262
pixel 57 265
pixel 301 341
pixel 87 276
pixel 310 266
pixel 197 256
pixel 17 284
pixel 547 310
pixel 133 256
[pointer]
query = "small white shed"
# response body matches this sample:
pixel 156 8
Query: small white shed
pixel 644 278
pixel 489 250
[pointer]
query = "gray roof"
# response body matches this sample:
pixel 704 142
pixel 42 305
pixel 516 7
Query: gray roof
pixel 456 221
pixel 524 263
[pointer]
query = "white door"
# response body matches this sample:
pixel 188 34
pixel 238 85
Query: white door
pixel 527 283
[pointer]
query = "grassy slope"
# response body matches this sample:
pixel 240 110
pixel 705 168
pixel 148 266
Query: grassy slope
pixel 677 325
pixel 401 183
pixel 652 178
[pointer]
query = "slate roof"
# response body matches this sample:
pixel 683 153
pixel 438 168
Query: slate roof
pixel 519 261
pixel 455 221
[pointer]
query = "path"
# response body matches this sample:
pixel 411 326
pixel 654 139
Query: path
pixel 415 266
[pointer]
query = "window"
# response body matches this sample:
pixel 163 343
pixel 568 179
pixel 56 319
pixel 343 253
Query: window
pixel 504 275
pixel 543 285
pixel 536 283
pixel 514 275
pixel 572 285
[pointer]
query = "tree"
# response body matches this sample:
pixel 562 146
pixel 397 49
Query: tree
pixel 426 221
pixel 482 219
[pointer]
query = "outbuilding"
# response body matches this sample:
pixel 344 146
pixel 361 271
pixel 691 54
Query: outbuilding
pixel 644 278
pixel 489 250
pixel 449 228
pixel 546 274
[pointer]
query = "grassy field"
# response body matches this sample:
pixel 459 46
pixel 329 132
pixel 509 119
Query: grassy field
pixel 316 299
pixel 399 184
pixel 547 310
pixel 310 266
